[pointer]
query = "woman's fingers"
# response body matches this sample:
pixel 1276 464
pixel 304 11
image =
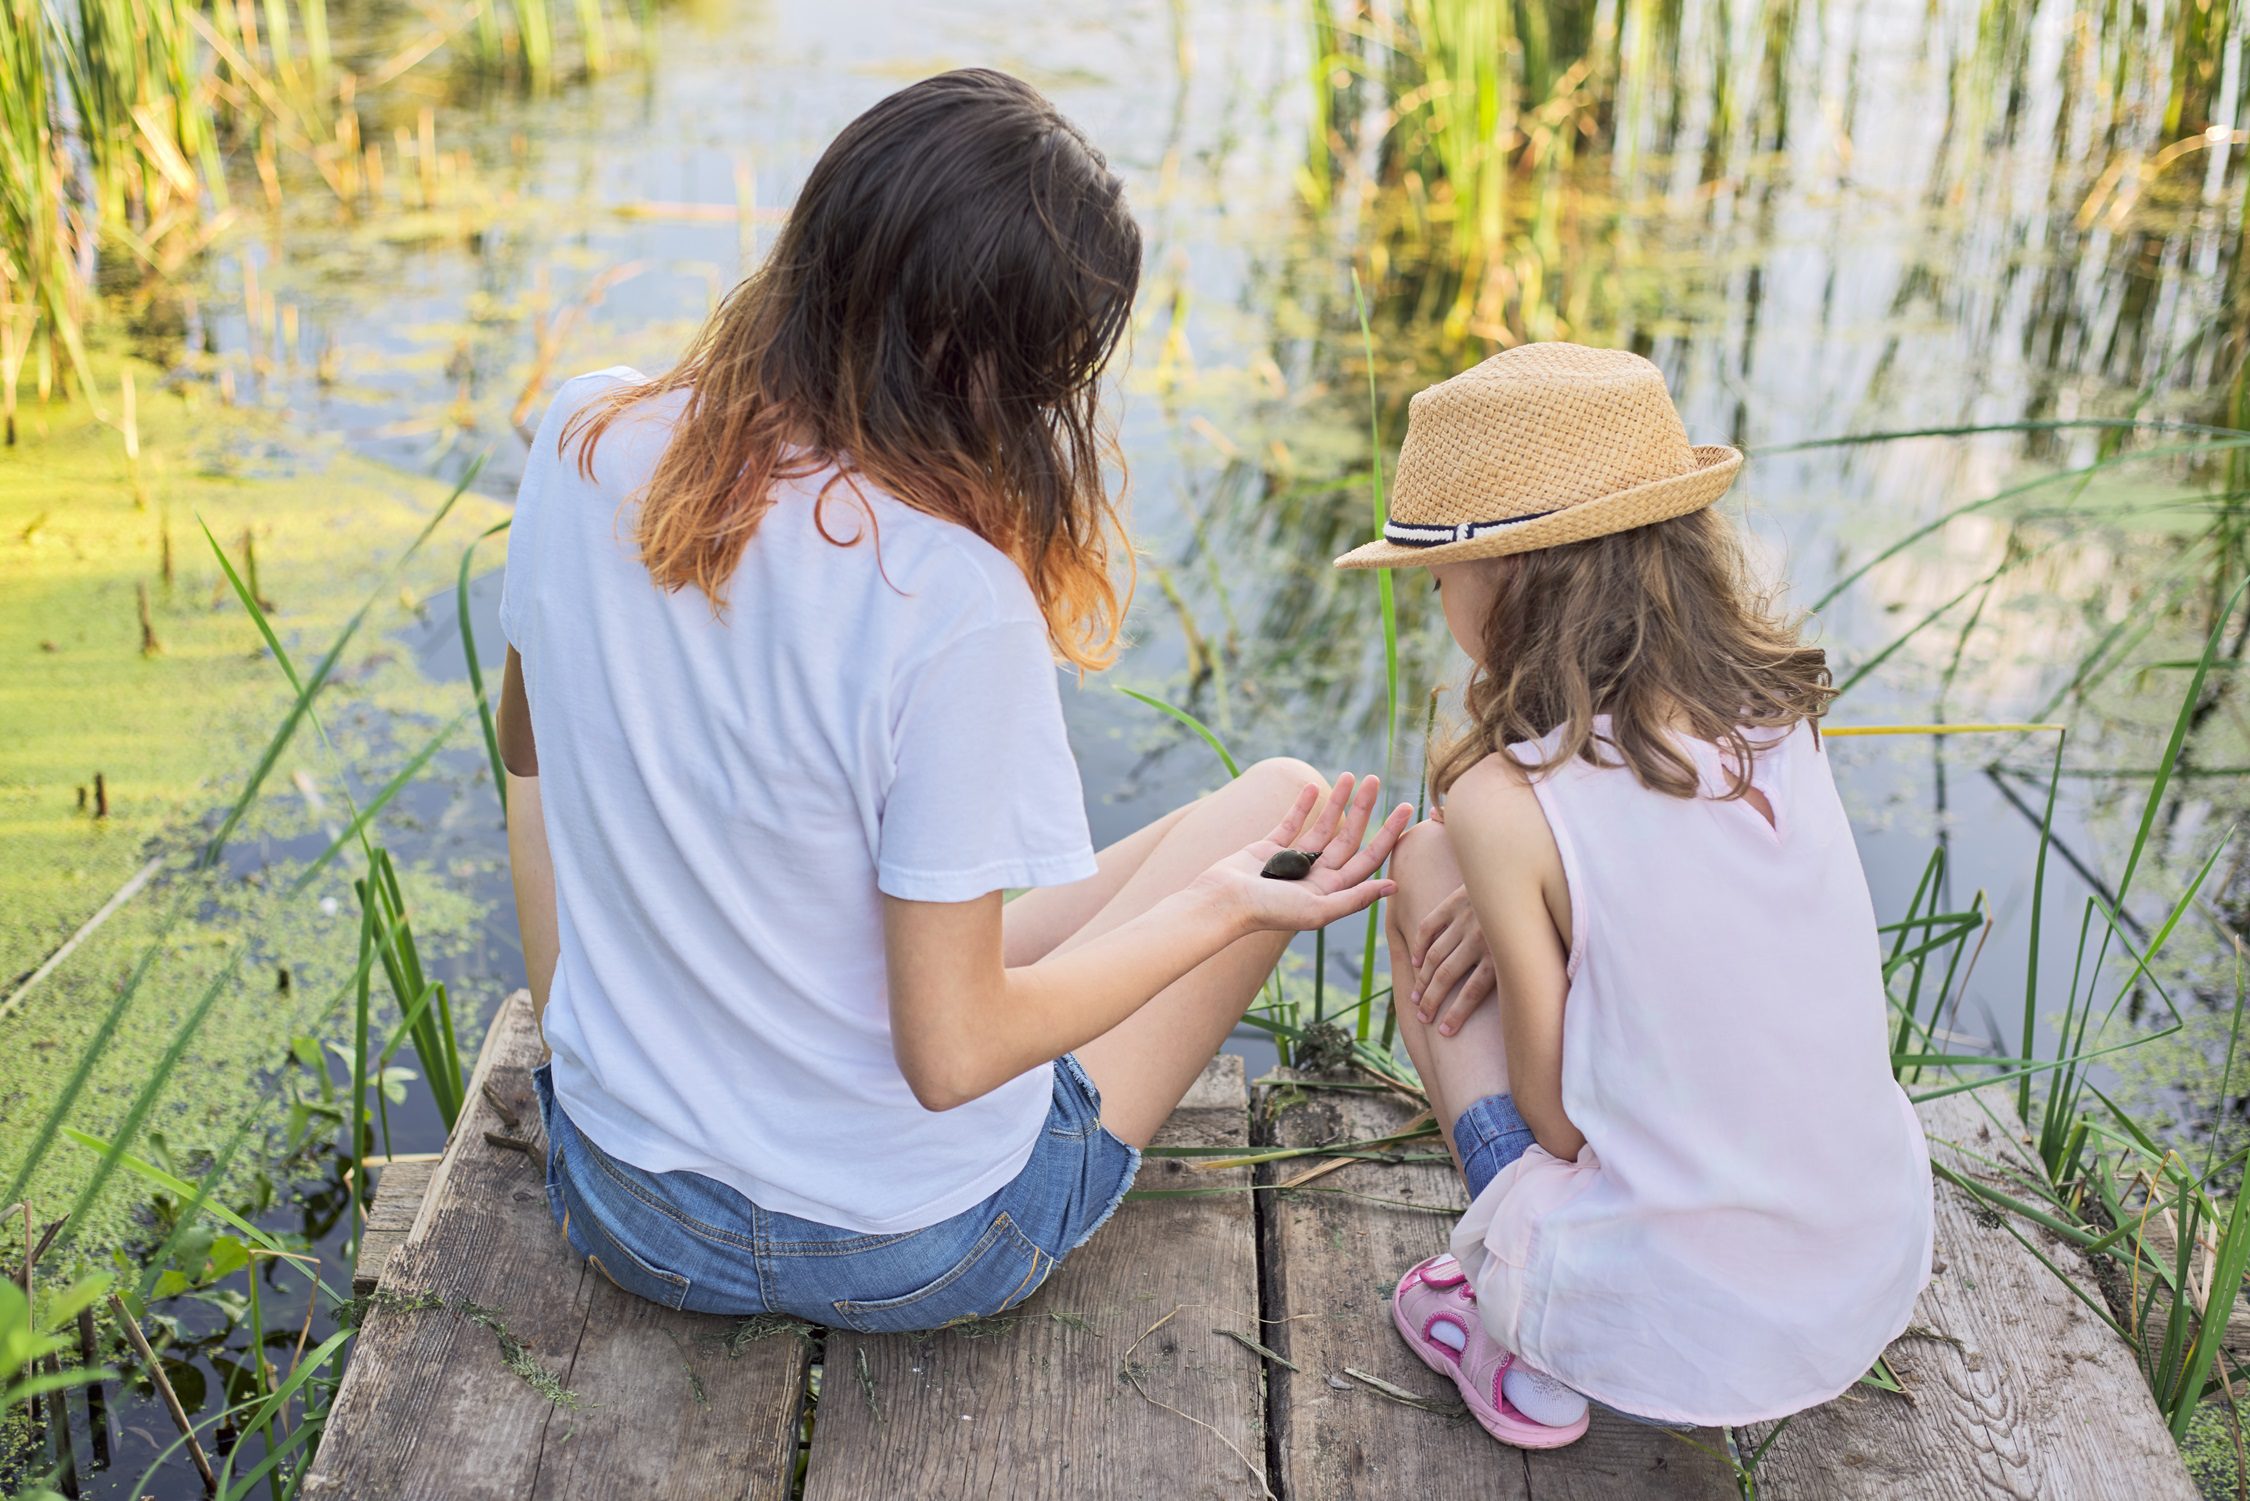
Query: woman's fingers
pixel 1378 849
pixel 1338 905
pixel 1286 830
pixel 1346 840
pixel 1316 838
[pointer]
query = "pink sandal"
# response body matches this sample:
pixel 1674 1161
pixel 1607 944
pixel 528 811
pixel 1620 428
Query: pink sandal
pixel 1438 1292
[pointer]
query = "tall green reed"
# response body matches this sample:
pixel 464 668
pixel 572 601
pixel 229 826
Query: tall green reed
pixel 1386 604
pixel 122 120
pixel 45 242
pixel 1512 138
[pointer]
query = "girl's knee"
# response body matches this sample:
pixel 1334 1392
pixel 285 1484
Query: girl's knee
pixel 1424 867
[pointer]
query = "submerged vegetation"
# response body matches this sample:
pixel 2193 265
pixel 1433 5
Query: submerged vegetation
pixel 1967 281
pixel 128 129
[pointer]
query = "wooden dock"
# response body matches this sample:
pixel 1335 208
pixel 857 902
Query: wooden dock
pixel 494 1363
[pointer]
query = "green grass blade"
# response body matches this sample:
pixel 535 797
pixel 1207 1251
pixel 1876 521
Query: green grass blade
pixel 476 668
pixel 1860 440
pixel 1387 604
pixel 1899 642
pixel 1210 738
pixel 2038 903
pixel 2010 492
pixel 2180 725
pixel 172 1184
pixel 391 789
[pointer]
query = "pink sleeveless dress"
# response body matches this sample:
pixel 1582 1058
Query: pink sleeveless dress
pixel 1748 1225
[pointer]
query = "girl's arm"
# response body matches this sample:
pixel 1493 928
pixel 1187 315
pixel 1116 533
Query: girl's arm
pixel 530 865
pixel 1514 876
pixel 963 1022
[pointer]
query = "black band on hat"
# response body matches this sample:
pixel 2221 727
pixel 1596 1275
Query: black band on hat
pixel 1422 534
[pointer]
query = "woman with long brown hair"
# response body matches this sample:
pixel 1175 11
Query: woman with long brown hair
pixel 781 723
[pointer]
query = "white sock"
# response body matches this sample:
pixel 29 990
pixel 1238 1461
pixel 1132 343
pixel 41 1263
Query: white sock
pixel 1449 1334
pixel 1540 1397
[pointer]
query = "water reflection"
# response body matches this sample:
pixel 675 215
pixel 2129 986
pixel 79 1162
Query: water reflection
pixel 1818 220
pixel 1870 217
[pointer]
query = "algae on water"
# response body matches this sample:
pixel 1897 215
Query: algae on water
pixel 172 734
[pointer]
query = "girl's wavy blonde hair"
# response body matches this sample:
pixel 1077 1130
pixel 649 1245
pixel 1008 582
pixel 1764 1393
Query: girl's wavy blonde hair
pixel 1663 629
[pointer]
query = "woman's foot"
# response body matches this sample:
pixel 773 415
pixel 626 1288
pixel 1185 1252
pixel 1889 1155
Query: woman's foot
pixel 1436 1312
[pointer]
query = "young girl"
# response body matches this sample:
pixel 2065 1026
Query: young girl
pixel 1698 1196
pixel 781 724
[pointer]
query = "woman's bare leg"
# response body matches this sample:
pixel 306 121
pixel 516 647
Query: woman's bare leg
pixel 1146 1063
pixel 1456 1071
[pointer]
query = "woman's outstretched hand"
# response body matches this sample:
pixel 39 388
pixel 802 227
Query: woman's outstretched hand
pixel 1342 880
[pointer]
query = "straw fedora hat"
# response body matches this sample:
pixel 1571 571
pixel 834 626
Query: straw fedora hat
pixel 1541 445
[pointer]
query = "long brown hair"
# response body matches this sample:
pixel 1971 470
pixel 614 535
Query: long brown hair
pixel 1662 629
pixel 934 316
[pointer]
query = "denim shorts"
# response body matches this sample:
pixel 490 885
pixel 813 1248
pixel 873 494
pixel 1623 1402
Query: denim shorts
pixel 687 1241
pixel 1489 1135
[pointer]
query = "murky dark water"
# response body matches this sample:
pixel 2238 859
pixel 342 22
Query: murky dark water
pixel 1887 217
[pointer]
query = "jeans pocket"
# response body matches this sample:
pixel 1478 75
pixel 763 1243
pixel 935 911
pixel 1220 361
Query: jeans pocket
pixel 1001 1270
pixel 620 1263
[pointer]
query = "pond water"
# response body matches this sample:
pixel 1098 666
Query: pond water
pixel 1889 214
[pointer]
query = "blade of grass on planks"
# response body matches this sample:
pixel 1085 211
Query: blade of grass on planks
pixel 356 1133
pixel 2230 1263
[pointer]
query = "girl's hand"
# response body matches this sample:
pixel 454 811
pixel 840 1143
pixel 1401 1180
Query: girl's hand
pixel 1452 964
pixel 1342 879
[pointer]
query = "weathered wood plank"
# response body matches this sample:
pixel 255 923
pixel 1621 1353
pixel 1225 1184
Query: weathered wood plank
pixel 1330 1263
pixel 399 1190
pixel 2018 1390
pixel 1042 1405
pixel 429 1407
pixel 683 1415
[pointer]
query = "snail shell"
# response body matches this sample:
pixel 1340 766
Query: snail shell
pixel 1288 865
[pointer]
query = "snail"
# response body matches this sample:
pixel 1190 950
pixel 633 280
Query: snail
pixel 1288 865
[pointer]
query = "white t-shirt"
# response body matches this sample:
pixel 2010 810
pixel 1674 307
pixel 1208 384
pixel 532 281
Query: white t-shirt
pixel 725 799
